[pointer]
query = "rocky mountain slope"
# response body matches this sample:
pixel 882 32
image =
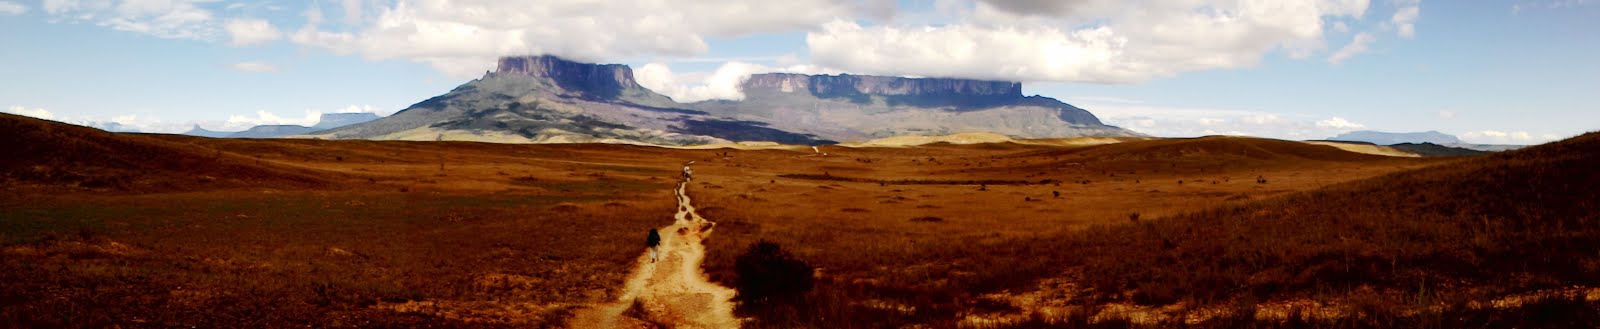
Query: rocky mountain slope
pixel 854 107
pixel 546 99
pixel 327 121
pixel 549 100
pixel 336 120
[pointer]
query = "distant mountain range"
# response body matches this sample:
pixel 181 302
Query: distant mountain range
pixel 202 132
pixel 1387 138
pixel 270 131
pixel 327 121
pixel 1441 143
pixel 336 120
pixel 546 99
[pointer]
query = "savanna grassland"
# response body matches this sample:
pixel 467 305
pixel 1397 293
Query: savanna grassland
pixel 138 230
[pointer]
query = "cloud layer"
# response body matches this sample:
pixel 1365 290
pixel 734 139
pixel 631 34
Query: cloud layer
pixel 1507 137
pixel 1357 46
pixel 1097 41
pixel 723 83
pixel 31 112
pixel 250 32
pixel 171 19
pixel 254 67
pixel 1173 121
pixel 12 8
pixel 138 123
pixel 1101 41
pixel 462 37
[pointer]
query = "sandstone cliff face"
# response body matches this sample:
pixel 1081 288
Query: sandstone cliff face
pixel 861 92
pixel 594 80
pixel 847 85
pixel 546 99
pixel 336 120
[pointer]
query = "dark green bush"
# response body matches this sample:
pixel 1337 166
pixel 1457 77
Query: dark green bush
pixel 767 274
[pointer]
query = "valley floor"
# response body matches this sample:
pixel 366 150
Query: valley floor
pixel 451 234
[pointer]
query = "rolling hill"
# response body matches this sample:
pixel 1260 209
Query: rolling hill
pixel 1471 230
pixel 54 154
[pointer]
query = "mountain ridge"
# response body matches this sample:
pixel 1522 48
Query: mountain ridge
pixel 1389 138
pixel 326 121
pixel 547 99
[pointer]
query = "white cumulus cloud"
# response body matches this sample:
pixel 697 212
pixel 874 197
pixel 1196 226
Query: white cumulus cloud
pixel 1103 41
pixel 721 84
pixel 254 67
pixel 1261 119
pixel 242 122
pixel 1405 19
pixel 1177 121
pixel 250 32
pixel 358 109
pixel 1357 46
pixel 308 117
pixel 462 37
pixel 171 19
pixel 12 8
pixel 1339 124
pixel 1506 137
pixel 724 83
pixel 31 112
pixel 352 10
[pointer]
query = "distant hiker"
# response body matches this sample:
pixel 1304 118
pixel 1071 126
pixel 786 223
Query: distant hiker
pixel 654 243
pixel 688 173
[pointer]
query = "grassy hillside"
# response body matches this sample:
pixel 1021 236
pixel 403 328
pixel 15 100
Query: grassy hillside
pixel 1474 230
pixel 46 153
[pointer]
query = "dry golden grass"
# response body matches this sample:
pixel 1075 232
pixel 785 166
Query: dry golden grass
pixel 221 259
pixel 447 234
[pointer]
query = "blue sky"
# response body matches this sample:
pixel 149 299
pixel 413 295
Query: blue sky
pixel 1515 72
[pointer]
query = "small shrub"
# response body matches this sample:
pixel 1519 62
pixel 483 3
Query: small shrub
pixel 767 274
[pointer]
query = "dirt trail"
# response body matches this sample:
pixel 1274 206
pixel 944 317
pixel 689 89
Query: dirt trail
pixel 671 291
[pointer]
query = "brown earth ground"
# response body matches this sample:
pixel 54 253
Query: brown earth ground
pixel 447 234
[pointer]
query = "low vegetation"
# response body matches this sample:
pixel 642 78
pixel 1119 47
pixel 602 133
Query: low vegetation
pixel 247 259
pixel 918 181
pixel 1430 247
pixel 771 283
pixel 486 235
pixel 1509 223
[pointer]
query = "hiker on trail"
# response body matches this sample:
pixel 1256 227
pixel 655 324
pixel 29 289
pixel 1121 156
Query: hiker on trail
pixel 817 152
pixel 687 173
pixel 654 242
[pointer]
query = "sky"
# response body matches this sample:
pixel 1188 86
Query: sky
pixel 1489 71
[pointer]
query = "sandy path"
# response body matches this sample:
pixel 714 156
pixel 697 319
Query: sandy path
pixel 672 291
